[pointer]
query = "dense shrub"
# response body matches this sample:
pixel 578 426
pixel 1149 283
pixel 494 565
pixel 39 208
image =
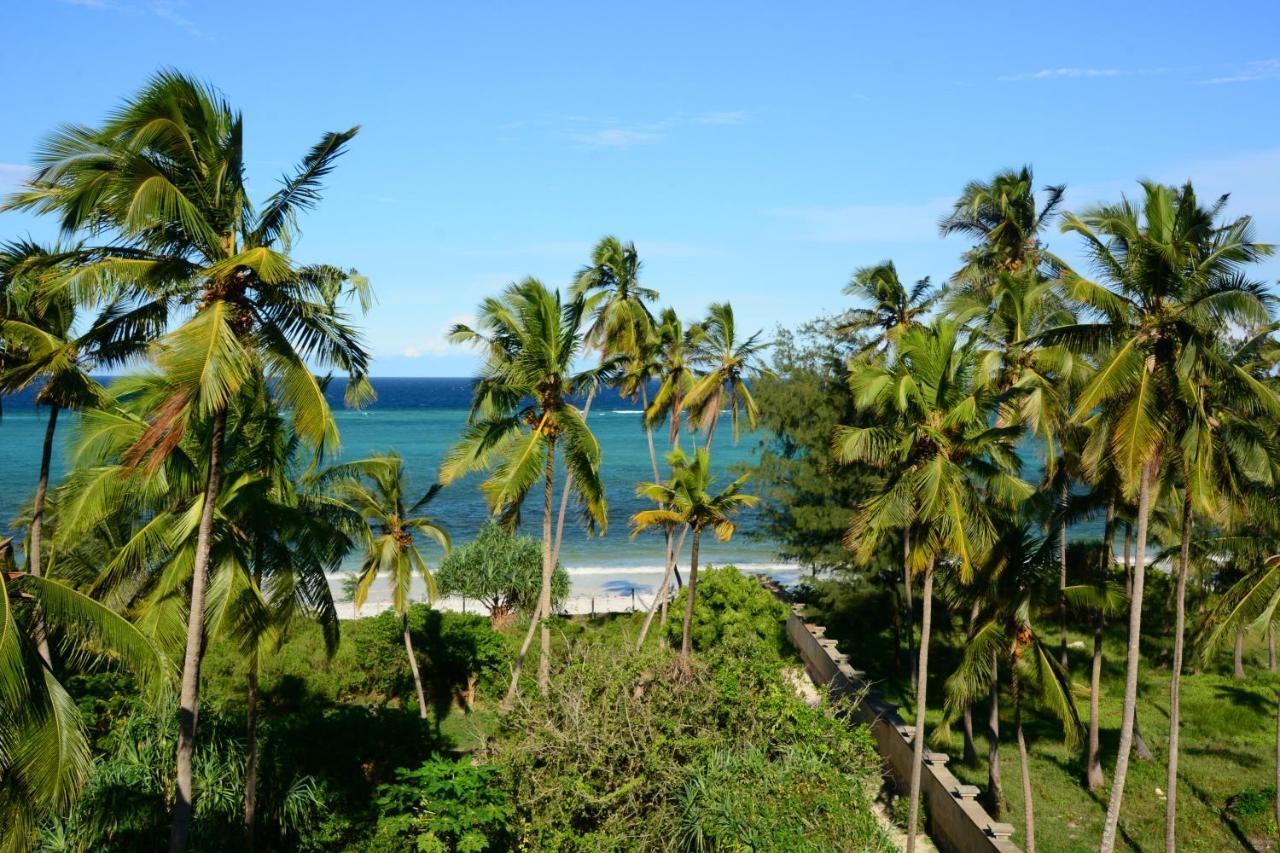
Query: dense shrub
pixel 731 608
pixel 443 806
pixel 602 762
pixel 502 571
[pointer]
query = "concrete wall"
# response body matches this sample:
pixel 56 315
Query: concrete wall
pixel 956 822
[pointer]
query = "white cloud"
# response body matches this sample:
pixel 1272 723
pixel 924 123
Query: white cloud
pixel 1076 73
pixel 1263 69
pixel 869 223
pixel 437 344
pixel 610 132
pixel 171 11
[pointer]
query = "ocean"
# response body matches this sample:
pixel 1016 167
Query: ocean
pixel 420 418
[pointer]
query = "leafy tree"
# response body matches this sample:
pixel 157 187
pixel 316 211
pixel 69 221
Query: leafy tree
pixel 688 500
pixel 446 806
pixel 520 415
pixel 945 469
pixel 376 489
pixel 163 180
pixel 502 571
pixel 735 609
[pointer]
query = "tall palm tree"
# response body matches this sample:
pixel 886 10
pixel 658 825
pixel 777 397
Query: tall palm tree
pixel 688 500
pixel 163 181
pixel 894 307
pixel 945 470
pixel 521 415
pixel 729 363
pixel 46 348
pixel 1006 219
pixel 1022 587
pixel 377 490
pixel 614 297
pixel 1169 285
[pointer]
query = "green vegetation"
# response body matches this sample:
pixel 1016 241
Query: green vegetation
pixel 930 450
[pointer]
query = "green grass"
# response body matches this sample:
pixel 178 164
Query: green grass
pixel 1227 755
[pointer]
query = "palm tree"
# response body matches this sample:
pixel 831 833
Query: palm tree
pixel 520 416
pixel 1006 219
pixel 1022 586
pixel 44 747
pixel 945 470
pixel 729 363
pixel 610 284
pixel 1169 285
pixel 377 490
pixel 688 500
pixel 45 347
pixel 893 309
pixel 163 180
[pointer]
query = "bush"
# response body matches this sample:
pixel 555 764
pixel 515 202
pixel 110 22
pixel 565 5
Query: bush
pixel 443 805
pixel 502 571
pixel 599 763
pixel 734 609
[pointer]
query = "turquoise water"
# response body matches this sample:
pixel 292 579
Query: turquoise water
pixel 421 418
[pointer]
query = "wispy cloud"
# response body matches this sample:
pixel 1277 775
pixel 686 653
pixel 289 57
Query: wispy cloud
pixel 12 175
pixel 437 344
pixel 1263 69
pixel 868 223
pixel 610 132
pixel 1075 73
pixel 170 11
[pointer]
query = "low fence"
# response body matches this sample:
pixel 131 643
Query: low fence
pixel 955 820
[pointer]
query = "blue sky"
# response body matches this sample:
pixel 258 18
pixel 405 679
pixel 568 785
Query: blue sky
pixel 756 152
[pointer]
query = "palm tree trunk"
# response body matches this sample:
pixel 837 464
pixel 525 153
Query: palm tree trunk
pixel 917 741
pixel 251 754
pixel 189 697
pixel 34 554
pixel 1128 567
pixel 548 568
pixel 1175 678
pixel 1028 803
pixel 1140 748
pixel 1093 776
pixel 661 597
pixel 509 701
pixel 1277 804
pixel 648 433
pixel 970 751
pixel 413 667
pixel 1112 822
pixel 686 634
pixel 1237 658
pixel 910 607
pixel 995 788
pixel 1064 500
pixel 568 482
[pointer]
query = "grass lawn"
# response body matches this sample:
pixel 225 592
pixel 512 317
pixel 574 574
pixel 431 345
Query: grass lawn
pixel 1227 756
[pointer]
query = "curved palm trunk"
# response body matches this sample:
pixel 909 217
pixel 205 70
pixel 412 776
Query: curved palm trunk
pixel 34 556
pixel 548 568
pixel 686 635
pixel 1131 663
pixel 509 701
pixel 1064 500
pixel 568 483
pixel 1094 779
pixel 1175 679
pixel 413 667
pixel 251 754
pixel 1028 804
pixel 189 698
pixel 917 739
pixel 661 597
pixel 995 787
